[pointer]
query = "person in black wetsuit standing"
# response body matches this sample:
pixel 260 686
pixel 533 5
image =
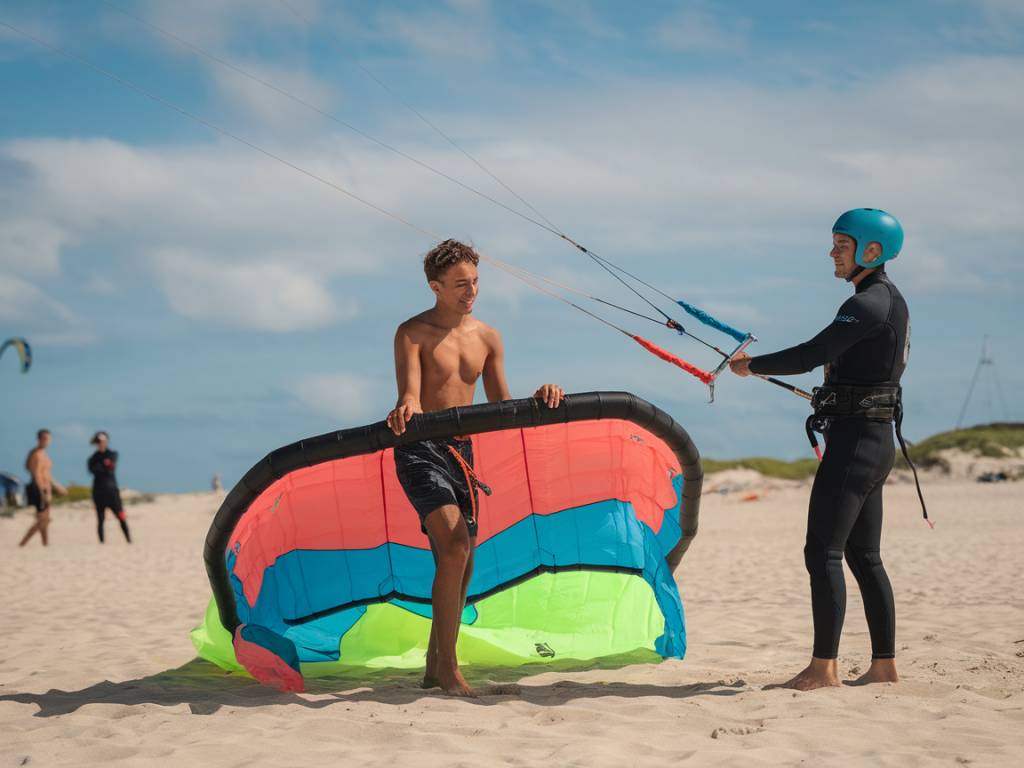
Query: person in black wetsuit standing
pixel 864 351
pixel 105 493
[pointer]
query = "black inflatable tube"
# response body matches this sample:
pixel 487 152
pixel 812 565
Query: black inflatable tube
pixel 473 419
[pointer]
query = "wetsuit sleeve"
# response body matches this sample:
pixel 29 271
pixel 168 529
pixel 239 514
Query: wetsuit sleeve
pixel 95 464
pixel 859 317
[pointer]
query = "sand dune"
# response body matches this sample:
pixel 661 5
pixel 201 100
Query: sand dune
pixel 97 667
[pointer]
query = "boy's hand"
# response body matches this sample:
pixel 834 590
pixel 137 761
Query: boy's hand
pixel 551 394
pixel 400 416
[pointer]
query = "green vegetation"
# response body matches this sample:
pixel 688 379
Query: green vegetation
pixel 84 493
pixel 75 493
pixel 992 440
pixel 784 470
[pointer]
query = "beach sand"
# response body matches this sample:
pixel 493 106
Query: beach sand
pixel 96 665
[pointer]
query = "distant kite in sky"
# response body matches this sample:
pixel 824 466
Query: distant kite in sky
pixel 24 351
pixel 316 558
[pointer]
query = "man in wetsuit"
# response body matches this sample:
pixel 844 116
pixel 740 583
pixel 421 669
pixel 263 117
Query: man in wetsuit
pixel 439 355
pixel 41 487
pixel 864 351
pixel 105 493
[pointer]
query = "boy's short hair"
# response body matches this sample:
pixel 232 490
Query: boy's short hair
pixel 445 255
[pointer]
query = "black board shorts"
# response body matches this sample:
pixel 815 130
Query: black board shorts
pixel 432 477
pixel 34 498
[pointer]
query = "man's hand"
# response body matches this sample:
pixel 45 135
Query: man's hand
pixel 400 416
pixel 740 364
pixel 551 394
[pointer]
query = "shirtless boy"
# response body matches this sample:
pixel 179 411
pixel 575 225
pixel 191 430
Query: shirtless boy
pixel 439 355
pixel 41 486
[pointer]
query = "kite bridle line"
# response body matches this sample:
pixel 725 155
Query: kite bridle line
pixel 610 267
pixel 518 272
pixel 547 225
pixel 743 339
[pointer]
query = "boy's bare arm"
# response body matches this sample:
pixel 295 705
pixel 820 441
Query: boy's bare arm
pixel 408 374
pixel 495 386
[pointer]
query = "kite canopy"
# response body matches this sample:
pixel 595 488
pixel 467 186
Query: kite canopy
pixel 23 349
pixel 316 558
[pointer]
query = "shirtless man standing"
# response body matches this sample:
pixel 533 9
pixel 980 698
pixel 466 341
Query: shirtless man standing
pixel 439 355
pixel 41 486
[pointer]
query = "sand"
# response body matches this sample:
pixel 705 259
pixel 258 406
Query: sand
pixel 96 665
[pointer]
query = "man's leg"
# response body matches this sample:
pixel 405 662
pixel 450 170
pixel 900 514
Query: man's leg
pixel 865 560
pixel 30 533
pixel 101 516
pixel 44 525
pixel 843 479
pixel 450 537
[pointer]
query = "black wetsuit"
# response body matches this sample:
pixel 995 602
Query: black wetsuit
pixel 105 493
pixel 866 346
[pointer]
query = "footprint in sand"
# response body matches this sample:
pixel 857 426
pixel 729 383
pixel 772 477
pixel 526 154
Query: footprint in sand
pixel 742 730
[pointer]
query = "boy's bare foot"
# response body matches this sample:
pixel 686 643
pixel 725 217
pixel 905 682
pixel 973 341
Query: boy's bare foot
pixel 454 684
pixel 820 673
pixel 880 671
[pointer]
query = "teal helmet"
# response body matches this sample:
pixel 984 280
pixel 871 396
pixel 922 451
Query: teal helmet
pixel 871 225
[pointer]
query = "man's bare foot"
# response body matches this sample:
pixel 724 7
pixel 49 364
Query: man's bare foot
pixel 454 684
pixel 880 671
pixel 820 673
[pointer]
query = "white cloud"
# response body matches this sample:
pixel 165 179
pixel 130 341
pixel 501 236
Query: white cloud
pixel 31 246
pixel 693 183
pixel 261 296
pixel 25 310
pixel 345 397
pixel 258 102
pixel 701 31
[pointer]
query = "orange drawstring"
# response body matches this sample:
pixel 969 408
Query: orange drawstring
pixel 471 479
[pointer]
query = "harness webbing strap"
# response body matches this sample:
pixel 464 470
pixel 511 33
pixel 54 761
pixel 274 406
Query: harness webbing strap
pixel 884 403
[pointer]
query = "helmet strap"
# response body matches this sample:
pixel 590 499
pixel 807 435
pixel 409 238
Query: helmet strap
pixel 856 271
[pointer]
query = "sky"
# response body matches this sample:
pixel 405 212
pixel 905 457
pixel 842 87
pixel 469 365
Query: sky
pixel 205 303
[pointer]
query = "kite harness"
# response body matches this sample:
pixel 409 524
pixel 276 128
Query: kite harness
pixel 874 403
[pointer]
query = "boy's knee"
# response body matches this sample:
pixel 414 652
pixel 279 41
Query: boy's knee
pixel 456 548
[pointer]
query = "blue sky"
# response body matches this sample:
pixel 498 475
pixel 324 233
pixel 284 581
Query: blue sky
pixel 205 304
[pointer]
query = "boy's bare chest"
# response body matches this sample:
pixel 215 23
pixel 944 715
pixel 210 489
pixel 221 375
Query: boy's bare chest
pixel 462 356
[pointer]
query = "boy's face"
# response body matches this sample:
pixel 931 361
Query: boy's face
pixel 457 287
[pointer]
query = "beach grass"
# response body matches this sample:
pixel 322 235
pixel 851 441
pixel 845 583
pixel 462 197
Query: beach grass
pixel 997 441
pixel 799 469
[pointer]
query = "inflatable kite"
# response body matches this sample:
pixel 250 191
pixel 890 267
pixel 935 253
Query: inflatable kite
pixel 23 349
pixel 316 557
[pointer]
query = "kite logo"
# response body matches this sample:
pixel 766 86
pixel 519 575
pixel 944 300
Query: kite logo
pixel 846 319
pixel 636 438
pixel 544 650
